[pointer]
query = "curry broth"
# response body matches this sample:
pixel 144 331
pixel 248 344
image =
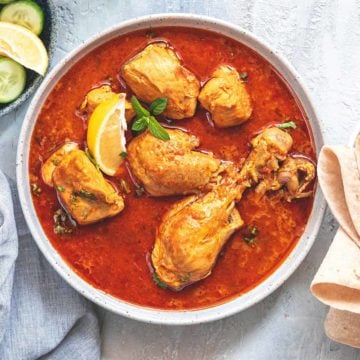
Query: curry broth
pixel 113 255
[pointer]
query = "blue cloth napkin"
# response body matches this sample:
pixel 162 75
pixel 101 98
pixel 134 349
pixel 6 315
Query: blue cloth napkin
pixel 40 315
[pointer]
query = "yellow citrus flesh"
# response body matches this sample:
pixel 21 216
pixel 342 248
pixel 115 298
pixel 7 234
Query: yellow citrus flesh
pixel 106 134
pixel 21 45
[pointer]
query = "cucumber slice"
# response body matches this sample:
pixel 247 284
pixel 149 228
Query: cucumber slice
pixel 12 80
pixel 6 1
pixel 26 13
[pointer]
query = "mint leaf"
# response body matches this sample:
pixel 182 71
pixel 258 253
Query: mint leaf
pixel 158 106
pixel 92 159
pixel 285 125
pixel 157 130
pixel 138 108
pixel 158 282
pixel 145 120
pixel 140 124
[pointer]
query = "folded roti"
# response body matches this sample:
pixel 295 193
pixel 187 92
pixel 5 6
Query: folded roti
pixel 337 282
pixel 343 327
pixel 339 178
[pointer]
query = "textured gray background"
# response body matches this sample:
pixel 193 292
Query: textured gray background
pixel 322 41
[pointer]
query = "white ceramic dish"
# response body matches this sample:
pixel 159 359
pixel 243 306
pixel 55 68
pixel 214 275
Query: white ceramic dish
pixel 107 301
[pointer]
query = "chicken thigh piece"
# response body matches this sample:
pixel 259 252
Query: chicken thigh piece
pixel 83 191
pixel 226 97
pixel 192 235
pixel 171 167
pixel 157 72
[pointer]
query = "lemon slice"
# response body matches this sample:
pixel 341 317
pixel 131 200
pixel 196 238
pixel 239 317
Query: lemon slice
pixel 21 45
pixel 106 133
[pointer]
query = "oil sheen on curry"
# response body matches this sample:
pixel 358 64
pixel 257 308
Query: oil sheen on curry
pixel 172 168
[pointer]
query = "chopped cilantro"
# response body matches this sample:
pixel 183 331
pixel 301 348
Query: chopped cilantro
pixel 158 282
pixel 286 125
pixel 139 191
pixel 85 194
pixel 61 221
pixel 251 235
pixel 36 189
pixel 125 186
pixel 184 278
pixel 244 76
pixel 92 159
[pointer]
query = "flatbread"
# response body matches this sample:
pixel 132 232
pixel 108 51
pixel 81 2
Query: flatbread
pixel 357 151
pixel 343 327
pixel 337 282
pixel 339 178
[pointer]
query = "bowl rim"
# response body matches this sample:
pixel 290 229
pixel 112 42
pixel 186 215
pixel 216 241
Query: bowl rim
pixel 107 301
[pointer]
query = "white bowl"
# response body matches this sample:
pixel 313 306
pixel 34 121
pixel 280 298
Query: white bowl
pixel 105 300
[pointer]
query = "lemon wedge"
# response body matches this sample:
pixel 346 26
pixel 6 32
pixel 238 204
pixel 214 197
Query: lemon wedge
pixel 21 45
pixel 106 133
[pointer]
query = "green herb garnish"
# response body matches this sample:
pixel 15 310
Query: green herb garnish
pixel 150 34
pixel 73 199
pixel 286 125
pixel 60 223
pixel 61 230
pixel 146 119
pixel 253 230
pixel 125 186
pixel 55 161
pixel 123 154
pixel 157 130
pixel 60 188
pixel 244 76
pixel 140 124
pixel 36 189
pixel 184 278
pixel 158 282
pixel 92 159
pixel 139 191
pixel 109 79
pixel 250 236
pixel 85 194
pixel 138 108
pixel 249 239
pixel 158 106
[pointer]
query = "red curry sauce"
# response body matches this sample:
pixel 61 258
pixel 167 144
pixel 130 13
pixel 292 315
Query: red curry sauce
pixel 112 255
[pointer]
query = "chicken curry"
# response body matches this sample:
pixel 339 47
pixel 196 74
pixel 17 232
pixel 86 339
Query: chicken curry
pixel 172 168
